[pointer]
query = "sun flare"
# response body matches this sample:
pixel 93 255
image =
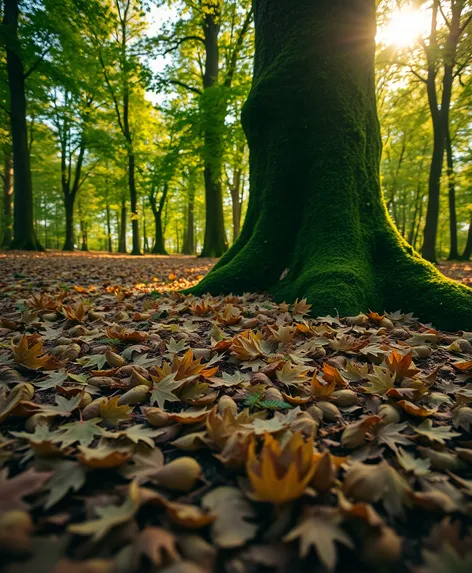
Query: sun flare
pixel 403 28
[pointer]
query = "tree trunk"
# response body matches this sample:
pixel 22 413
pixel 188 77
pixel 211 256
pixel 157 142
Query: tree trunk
pixel 440 118
pixel 453 252
pixel 7 177
pixel 24 236
pixel 159 247
pixel 69 212
pixel 468 246
pixel 213 112
pixel 236 204
pixel 122 233
pixel 108 216
pixel 136 250
pixel 317 226
pixel 188 247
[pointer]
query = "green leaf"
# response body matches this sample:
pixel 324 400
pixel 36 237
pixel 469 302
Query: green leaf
pixel 436 434
pixel 68 476
pixel 84 432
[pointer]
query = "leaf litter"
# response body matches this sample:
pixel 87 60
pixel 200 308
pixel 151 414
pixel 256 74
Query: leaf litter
pixel 147 430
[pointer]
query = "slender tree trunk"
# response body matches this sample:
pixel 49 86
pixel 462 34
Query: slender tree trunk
pixel 213 112
pixel 122 233
pixel 136 250
pixel 24 236
pixel 440 117
pixel 69 213
pixel 7 199
pixel 159 247
pixel 108 216
pixel 235 190
pixel 188 247
pixel 467 253
pixel 316 225
pixel 453 252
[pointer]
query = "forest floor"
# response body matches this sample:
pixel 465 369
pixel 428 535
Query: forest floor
pixel 145 430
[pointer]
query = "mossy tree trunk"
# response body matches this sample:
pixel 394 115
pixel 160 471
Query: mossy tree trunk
pixel 317 226
pixel 451 183
pixel 468 246
pixel 213 109
pixel 7 177
pixel 24 236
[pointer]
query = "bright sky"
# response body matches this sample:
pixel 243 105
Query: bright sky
pixel 404 27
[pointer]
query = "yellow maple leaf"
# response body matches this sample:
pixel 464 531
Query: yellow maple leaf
pixel 247 345
pixel 112 414
pixel 280 474
pixel 76 314
pixel 230 315
pixel 120 333
pixel 29 353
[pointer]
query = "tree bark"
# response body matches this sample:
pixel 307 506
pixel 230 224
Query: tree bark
pixel 24 236
pixel 440 118
pixel 188 247
pixel 122 233
pixel 108 216
pixel 453 252
pixel 159 247
pixel 467 253
pixel 317 226
pixel 7 177
pixel 213 114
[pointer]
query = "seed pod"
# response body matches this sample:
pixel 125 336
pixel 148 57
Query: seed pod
pixel 306 425
pixel 58 350
pixel 85 400
pixel 157 417
pixel 400 333
pixel 71 353
pixel 359 320
pixel 260 378
pixel 137 395
pixel 460 346
pixel 38 419
pixel 100 381
pixel 180 474
pixel 78 330
pixel 316 413
pixel 386 323
pixel 136 379
pixel 389 414
pixel 93 409
pixel 273 393
pixel 204 353
pixel 421 352
pixel 121 316
pixel 227 403
pixel 94 315
pixel 330 411
pixel 10 375
pixel 50 316
pixel 114 360
pixel 64 340
pixel 344 398
pixel 15 529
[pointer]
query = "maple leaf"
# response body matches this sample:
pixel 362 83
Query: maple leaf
pixel 446 560
pixel 415 410
pixel 380 381
pixel 9 402
pixel 83 432
pixel 320 530
pixel 231 315
pixel 184 369
pixel 247 345
pixel 103 457
pixel 94 361
pixel 331 374
pixel 401 365
pixel 63 406
pixel 29 353
pixel 391 435
pixel 109 516
pixel 321 389
pixel 436 434
pixel 75 314
pixel 354 434
pixel 280 474
pixel 231 527
pixel 157 543
pixel 68 475
pixel 292 375
pixel 163 390
pixel 418 466
pixel 136 434
pixel 300 308
pixel 128 336
pixel 144 466
pixel 112 414
pixel 12 491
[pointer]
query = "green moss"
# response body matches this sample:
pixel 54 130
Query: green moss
pixel 317 226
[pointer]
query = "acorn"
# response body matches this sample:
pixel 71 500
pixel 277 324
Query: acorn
pixel 180 474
